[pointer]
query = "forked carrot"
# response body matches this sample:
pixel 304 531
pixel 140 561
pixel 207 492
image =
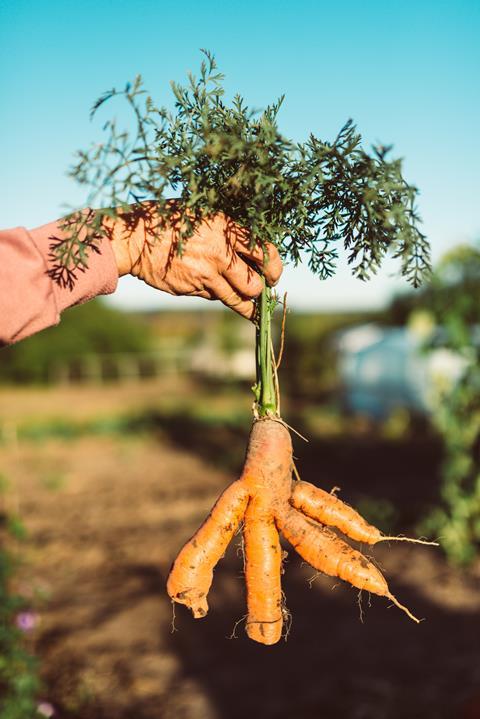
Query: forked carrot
pixel 268 503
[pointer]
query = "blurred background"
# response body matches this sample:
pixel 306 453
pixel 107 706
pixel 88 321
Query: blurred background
pixel 119 427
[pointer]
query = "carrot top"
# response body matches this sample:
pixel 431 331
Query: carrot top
pixel 216 156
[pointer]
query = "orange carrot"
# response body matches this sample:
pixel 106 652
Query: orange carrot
pixel 192 572
pixel 263 559
pixel 325 551
pixel 328 509
pixel 265 499
pixel 321 548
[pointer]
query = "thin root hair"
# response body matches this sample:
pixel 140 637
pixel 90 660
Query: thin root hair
pixel 239 529
pixel 404 609
pixel 313 577
pixel 296 472
pixel 360 607
pixel 401 538
pixel 287 618
pixel 172 623
pixel 288 426
pixel 376 562
pixel 239 621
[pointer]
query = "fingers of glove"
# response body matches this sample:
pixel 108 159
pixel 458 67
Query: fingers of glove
pixel 270 261
pixel 223 291
pixel 243 278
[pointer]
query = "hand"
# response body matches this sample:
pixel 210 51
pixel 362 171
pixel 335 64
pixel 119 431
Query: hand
pixel 212 264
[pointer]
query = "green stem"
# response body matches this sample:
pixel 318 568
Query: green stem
pixel 265 388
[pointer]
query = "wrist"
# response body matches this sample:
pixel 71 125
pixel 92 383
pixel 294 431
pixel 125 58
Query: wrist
pixel 126 245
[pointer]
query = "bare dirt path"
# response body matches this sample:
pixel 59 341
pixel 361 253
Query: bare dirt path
pixel 105 518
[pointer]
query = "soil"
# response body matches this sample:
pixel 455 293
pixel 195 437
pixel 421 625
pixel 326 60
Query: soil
pixel 105 518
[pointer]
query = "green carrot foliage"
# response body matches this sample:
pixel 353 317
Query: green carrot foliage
pixel 307 198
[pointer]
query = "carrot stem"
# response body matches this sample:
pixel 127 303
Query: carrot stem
pixel 266 401
pixel 282 333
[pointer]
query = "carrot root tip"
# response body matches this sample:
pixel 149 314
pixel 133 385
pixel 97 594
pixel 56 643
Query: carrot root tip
pixel 197 604
pixel 400 538
pixel 265 632
pixel 404 609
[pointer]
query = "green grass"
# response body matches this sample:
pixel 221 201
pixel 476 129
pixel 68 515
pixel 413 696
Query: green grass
pixel 19 680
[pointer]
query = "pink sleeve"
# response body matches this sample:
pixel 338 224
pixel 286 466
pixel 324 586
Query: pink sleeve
pixel 29 299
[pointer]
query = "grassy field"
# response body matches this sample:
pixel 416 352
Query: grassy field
pixel 110 481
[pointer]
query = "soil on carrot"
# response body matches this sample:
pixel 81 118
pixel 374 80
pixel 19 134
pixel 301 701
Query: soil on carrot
pixel 106 517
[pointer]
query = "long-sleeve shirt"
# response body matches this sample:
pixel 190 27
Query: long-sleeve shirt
pixel 29 299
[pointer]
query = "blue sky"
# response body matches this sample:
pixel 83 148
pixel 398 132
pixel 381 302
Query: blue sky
pixel 406 72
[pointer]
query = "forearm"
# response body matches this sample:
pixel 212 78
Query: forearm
pixel 29 299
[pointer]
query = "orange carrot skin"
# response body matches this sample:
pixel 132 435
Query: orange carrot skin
pixel 320 547
pixel 268 475
pixel 192 572
pixel 328 509
pixel 263 556
pixel 268 463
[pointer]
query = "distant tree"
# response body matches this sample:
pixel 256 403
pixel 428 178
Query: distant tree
pixel 451 293
pixel 93 328
pixel 453 297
